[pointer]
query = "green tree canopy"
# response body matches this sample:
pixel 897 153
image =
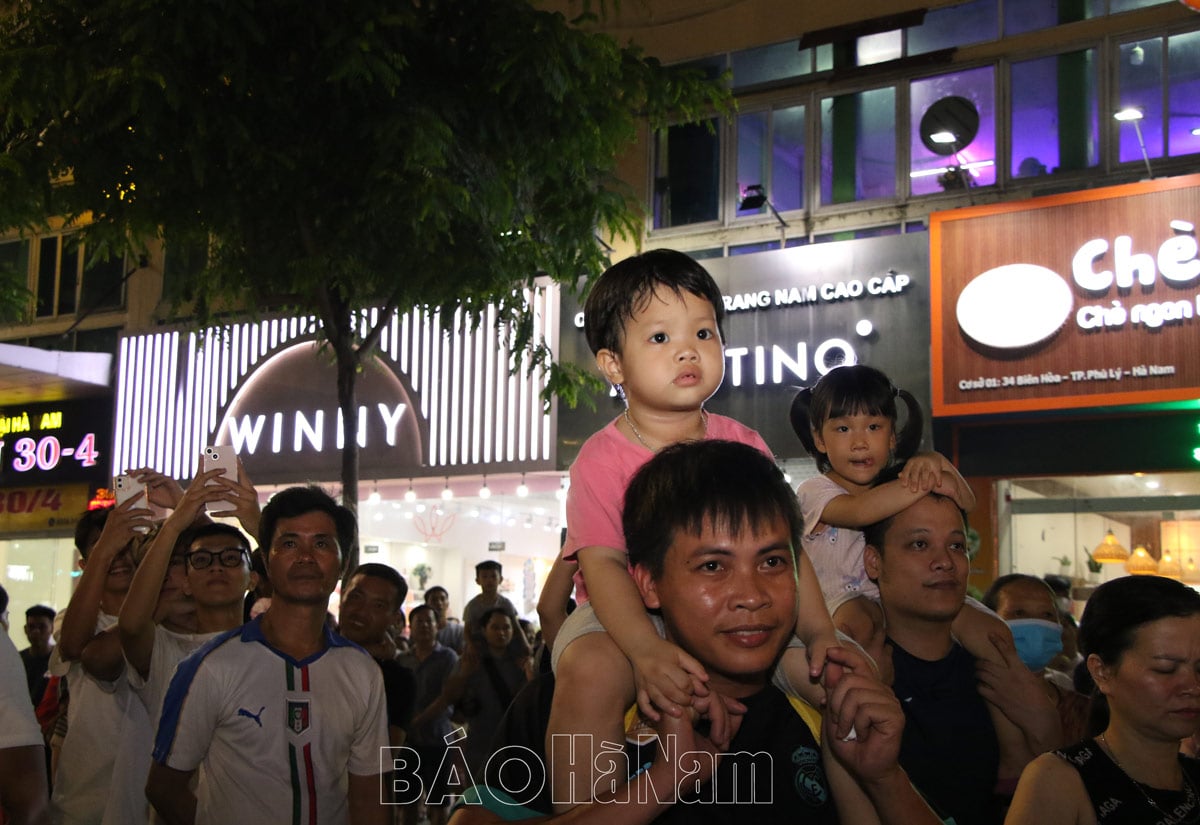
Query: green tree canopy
pixel 335 155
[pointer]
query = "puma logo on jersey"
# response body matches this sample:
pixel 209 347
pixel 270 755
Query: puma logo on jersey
pixel 254 716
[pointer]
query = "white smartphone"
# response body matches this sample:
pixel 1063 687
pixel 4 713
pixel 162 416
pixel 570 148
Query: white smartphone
pixel 225 459
pixel 126 487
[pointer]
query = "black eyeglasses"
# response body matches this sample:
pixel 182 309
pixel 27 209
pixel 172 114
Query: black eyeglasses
pixel 228 556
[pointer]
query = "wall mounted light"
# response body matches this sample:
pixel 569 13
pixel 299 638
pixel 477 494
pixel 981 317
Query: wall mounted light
pixel 1134 115
pixel 754 196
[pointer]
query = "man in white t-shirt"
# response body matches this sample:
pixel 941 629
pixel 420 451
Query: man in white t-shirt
pixel 23 793
pixel 88 654
pixel 286 717
pixel 210 563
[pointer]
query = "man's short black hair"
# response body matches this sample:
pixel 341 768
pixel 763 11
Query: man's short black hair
pixel 40 611
pixel 992 597
pixel 388 574
pixel 297 501
pixel 489 565
pixel 625 288
pixel 874 534
pixel 213 528
pixel 728 486
pixel 91 521
pixel 437 588
pixel 419 609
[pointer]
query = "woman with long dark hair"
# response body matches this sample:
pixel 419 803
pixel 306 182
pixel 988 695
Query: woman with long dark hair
pixel 1140 638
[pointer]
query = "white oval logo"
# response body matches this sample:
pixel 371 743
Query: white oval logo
pixel 1014 306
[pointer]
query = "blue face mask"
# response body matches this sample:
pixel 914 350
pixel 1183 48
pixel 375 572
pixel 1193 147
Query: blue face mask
pixel 1037 640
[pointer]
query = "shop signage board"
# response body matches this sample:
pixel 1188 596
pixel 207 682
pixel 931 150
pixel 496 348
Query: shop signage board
pixel 53 443
pixel 438 398
pixel 791 316
pixel 41 507
pixel 1088 299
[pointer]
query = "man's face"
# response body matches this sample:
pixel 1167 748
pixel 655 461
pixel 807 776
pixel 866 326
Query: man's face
pixel 488 580
pixel 1022 599
pixel 305 560
pixel 922 571
pixel 440 602
pixel 422 627
pixel 37 631
pixel 730 602
pixel 216 585
pixel 368 609
pixel 498 631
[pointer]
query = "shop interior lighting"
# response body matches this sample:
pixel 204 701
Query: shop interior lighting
pixel 374 498
pixel 1110 551
pixel 754 197
pixel 943 137
pixel 447 493
pixel 1141 563
pixel 522 490
pixel 1169 566
pixel 485 492
pixel 1134 115
pixel 411 495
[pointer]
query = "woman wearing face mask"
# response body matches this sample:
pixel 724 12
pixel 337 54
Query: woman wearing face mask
pixel 1029 607
pixel 1140 636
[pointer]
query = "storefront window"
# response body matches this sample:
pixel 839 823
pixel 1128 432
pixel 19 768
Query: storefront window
pixel 1022 16
pixel 35 571
pixel 1055 523
pixel 935 106
pixel 974 22
pixel 858 146
pixel 1183 69
pixel 687 175
pixel 1054 114
pixel 771 154
pixel 766 64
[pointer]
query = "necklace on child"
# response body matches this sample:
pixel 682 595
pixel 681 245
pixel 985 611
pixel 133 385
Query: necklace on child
pixel 1185 812
pixel 642 441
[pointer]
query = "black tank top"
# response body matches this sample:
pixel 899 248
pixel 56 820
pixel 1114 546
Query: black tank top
pixel 1118 800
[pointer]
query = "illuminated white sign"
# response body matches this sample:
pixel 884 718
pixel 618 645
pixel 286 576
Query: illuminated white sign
pixel 1019 305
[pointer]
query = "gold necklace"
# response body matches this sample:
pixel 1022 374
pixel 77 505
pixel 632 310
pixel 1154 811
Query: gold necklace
pixel 1189 802
pixel 642 441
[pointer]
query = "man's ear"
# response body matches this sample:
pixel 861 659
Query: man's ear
pixel 646 587
pixel 872 562
pixel 609 363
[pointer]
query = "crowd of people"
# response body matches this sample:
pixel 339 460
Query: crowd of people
pixel 716 646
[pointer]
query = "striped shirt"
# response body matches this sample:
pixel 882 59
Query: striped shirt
pixel 274 738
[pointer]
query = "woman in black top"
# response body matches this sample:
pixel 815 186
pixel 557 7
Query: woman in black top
pixel 1140 636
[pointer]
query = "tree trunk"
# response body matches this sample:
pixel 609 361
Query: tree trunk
pixel 347 378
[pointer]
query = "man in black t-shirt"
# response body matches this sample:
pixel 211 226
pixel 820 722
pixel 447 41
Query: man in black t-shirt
pixel 371 602
pixel 711 528
pixel 918 557
pixel 39 625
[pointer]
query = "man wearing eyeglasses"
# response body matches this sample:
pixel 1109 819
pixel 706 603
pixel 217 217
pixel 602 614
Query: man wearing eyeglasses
pixel 190 559
pixel 286 717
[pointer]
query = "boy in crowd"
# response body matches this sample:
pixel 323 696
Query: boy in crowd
pixel 488 575
pixel 449 629
pixel 371 603
pixel 39 630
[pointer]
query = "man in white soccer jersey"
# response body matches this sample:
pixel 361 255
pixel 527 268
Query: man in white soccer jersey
pixel 286 717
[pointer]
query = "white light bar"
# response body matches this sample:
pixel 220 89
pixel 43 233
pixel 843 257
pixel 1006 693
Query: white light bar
pixel 174 386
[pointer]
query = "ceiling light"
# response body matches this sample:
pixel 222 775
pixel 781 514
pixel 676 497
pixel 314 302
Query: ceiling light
pixel 522 490
pixel 411 495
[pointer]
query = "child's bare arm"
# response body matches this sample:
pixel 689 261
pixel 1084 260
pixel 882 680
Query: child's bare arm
pixel 666 677
pixel 814 626
pixel 858 511
pixel 552 605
